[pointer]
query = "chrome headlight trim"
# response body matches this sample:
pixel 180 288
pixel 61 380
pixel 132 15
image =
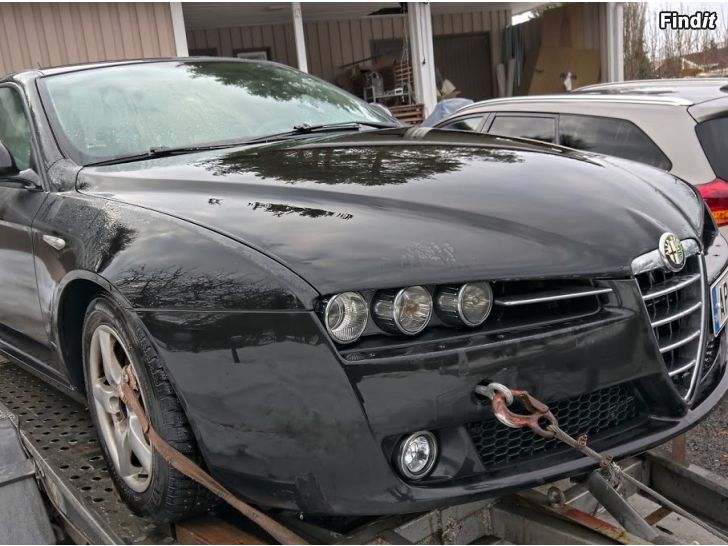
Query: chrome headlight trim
pixel 384 310
pixel 402 467
pixel 327 309
pixel 458 318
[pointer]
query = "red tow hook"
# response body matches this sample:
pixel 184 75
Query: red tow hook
pixel 501 397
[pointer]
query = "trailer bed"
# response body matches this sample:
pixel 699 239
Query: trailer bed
pixel 59 438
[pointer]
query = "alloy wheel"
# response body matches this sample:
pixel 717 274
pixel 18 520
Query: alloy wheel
pixel 129 448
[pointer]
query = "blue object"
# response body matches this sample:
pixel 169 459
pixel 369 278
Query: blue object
pixel 444 109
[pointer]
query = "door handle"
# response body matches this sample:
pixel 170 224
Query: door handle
pixel 55 242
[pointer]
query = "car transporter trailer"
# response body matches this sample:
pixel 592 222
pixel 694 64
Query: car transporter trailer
pixel 55 487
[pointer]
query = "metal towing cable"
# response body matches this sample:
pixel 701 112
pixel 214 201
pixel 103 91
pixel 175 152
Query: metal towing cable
pixel 602 484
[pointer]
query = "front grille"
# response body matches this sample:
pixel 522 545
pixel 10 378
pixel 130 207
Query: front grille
pixel 675 306
pixel 594 413
pixel 528 303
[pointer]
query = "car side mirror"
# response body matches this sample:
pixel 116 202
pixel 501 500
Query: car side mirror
pixel 7 163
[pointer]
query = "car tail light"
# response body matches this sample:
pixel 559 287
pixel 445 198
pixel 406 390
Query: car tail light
pixel 715 194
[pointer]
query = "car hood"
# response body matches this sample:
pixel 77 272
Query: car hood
pixel 415 206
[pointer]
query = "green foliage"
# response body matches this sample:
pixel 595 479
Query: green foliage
pixel 637 64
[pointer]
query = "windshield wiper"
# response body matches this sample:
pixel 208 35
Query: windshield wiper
pixel 162 151
pixel 305 129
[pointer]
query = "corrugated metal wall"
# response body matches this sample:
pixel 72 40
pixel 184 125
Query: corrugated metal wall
pixel 37 35
pixel 333 43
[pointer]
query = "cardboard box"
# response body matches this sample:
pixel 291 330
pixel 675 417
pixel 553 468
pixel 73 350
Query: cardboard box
pixel 553 63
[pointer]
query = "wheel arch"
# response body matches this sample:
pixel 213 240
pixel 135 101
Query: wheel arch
pixel 73 296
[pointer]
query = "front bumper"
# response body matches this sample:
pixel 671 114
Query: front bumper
pixel 286 420
pixel 285 423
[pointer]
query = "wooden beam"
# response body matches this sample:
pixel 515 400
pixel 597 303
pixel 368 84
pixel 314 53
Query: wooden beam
pixel 680 448
pixel 208 530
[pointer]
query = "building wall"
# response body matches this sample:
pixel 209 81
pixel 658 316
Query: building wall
pixel 38 35
pixel 333 43
pixel 224 41
pixel 573 26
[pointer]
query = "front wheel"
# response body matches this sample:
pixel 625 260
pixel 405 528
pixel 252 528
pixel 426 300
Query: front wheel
pixel 148 484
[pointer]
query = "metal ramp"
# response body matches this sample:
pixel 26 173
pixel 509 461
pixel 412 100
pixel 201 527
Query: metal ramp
pixel 59 436
pixel 23 516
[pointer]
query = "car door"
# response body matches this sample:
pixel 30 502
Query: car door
pixel 524 125
pixel 21 322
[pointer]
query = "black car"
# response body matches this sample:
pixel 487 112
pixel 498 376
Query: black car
pixel 309 293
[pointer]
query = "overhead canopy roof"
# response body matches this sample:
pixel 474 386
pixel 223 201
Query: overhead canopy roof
pixel 202 15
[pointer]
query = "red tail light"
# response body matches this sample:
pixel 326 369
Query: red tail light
pixel 715 194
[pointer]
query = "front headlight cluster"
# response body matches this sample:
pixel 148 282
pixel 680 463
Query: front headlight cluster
pixel 407 311
pixel 346 316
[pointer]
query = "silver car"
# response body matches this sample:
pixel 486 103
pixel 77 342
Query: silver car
pixel 677 125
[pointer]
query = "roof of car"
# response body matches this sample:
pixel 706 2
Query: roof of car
pixel 573 98
pixel 695 90
pixel 88 66
pixel 39 72
pixel 684 92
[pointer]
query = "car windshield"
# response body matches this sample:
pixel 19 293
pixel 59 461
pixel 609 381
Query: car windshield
pixel 114 112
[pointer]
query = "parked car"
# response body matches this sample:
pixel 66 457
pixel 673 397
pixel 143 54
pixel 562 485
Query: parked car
pixel 680 126
pixel 310 294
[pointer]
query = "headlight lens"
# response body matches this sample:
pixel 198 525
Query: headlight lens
pixel 407 311
pixel 466 305
pixel 346 316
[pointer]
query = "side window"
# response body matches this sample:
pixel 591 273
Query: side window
pixel 14 128
pixel 610 136
pixel 536 127
pixel 713 134
pixel 464 124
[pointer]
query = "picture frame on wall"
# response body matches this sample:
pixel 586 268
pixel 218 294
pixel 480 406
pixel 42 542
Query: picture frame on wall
pixel 255 54
pixel 204 52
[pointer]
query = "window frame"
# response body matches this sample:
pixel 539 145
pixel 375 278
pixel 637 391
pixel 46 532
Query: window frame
pixel 34 164
pixel 524 114
pixel 479 129
pixel 624 120
pixel 557 118
pixel 699 137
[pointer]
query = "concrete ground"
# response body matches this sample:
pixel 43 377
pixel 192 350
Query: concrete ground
pixel 708 442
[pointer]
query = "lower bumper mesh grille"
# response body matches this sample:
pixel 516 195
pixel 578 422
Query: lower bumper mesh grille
pixel 593 413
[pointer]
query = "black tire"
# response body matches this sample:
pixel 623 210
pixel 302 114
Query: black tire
pixel 169 496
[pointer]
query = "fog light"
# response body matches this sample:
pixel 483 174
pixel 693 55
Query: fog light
pixel 417 455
